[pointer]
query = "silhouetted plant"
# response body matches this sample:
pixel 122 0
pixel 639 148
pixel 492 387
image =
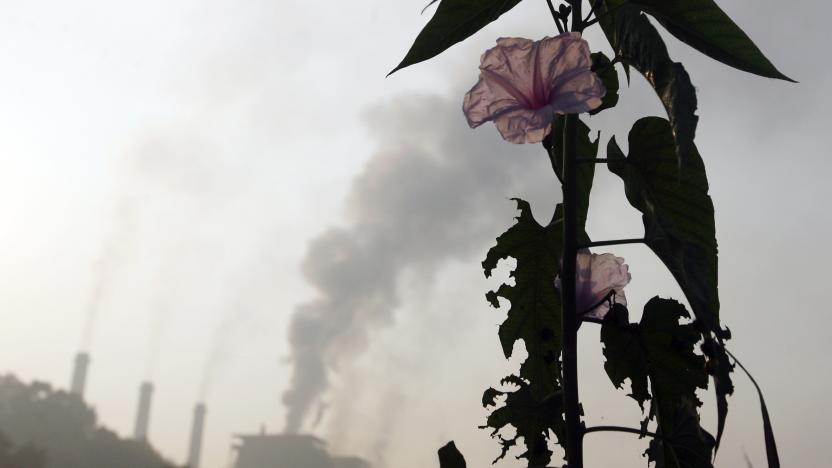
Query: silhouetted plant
pixel 533 91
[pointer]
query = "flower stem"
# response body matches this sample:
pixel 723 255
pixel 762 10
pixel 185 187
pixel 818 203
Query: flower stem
pixel 555 16
pixel 569 316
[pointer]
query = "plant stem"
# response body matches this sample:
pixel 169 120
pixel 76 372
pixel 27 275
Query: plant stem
pixel 555 16
pixel 569 316
pixel 621 429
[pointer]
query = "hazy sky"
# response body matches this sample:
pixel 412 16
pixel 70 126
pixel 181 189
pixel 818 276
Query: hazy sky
pixel 182 157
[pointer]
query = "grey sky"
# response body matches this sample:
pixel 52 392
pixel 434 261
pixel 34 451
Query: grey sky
pixel 239 133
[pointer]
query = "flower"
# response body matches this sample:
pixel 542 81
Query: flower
pixel 599 282
pixel 523 83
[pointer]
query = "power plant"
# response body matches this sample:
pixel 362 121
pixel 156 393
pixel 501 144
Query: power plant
pixel 263 450
pixel 288 451
pixel 143 412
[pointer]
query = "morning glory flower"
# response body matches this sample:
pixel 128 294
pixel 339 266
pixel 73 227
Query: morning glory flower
pixel 523 83
pixel 599 283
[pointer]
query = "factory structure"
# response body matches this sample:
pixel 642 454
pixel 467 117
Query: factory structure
pixel 288 451
pixel 261 450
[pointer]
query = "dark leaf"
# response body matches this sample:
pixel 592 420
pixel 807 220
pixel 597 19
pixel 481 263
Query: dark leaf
pixel 534 311
pixel 677 212
pixel 626 359
pixel 704 26
pixel 533 418
pixel 453 21
pixel 609 76
pixel 720 370
pixel 449 457
pixel 768 431
pixel 684 444
pixel 489 397
pixel 586 148
pixel 658 349
pixel 534 316
pixel 639 45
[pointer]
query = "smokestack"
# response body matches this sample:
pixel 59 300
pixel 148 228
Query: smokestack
pixel 79 374
pixel 143 412
pixel 196 436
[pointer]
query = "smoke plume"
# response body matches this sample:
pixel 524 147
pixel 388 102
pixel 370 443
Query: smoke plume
pixel 433 190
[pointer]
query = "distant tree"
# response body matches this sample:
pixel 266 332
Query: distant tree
pixel 65 429
pixel 25 456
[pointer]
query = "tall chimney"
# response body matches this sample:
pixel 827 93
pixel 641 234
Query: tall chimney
pixel 197 429
pixel 79 374
pixel 143 412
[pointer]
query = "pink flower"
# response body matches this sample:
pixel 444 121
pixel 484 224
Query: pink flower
pixel 600 281
pixel 523 83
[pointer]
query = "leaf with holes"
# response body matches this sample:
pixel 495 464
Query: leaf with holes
pixel 534 317
pixel 720 370
pixel 684 444
pixel 658 349
pixel 534 311
pixel 533 417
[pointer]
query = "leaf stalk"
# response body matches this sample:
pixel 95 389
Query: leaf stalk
pixel 629 430
pixel 588 245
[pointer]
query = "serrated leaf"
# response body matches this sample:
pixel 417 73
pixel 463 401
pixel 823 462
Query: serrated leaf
pixel 658 349
pixel 637 43
pixel 533 418
pixel 678 214
pixel 534 317
pixel 534 310
pixel 450 457
pixel 704 26
pixel 605 69
pixel 585 173
pixel 453 21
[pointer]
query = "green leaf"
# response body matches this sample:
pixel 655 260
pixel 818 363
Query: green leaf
pixel 453 21
pixel 586 148
pixel 605 69
pixel 678 214
pixel 533 418
pixel 704 26
pixel 534 316
pixel 637 43
pixel 534 312
pixel 658 349
pixel 450 457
